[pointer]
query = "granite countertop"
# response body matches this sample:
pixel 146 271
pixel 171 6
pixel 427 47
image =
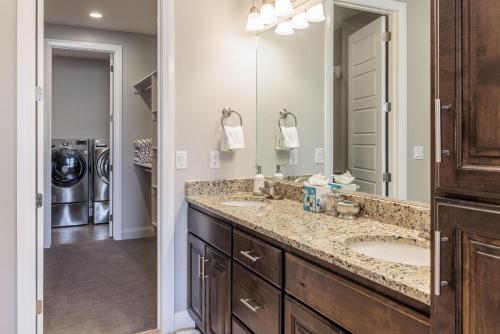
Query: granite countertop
pixel 328 239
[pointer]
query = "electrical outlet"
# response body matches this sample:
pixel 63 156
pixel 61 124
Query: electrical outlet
pixel 418 152
pixel 318 155
pixel 214 159
pixel 181 159
pixel 294 157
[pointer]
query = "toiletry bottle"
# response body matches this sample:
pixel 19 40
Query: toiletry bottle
pixel 258 181
pixel 278 175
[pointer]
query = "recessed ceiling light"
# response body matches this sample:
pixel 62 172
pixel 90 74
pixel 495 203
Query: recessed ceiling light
pixel 95 15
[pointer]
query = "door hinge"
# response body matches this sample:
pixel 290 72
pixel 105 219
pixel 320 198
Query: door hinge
pixel 110 217
pixel 39 307
pixel 387 177
pixel 38 94
pixel 38 200
pixel 386 107
pixel 386 36
pixel 111 68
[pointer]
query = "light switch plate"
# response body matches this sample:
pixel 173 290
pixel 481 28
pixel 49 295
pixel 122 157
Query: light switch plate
pixel 181 159
pixel 294 157
pixel 214 159
pixel 418 152
pixel 319 155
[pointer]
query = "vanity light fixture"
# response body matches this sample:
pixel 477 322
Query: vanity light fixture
pixel 316 13
pixel 283 8
pixel 253 21
pixel 284 28
pixel 267 13
pixel 95 15
pixel 299 21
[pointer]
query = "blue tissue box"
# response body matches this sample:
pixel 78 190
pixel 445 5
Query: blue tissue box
pixel 313 198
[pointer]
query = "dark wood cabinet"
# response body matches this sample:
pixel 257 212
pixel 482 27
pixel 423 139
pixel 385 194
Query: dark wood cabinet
pixel 300 320
pixel 466 291
pixel 466 72
pixel 196 286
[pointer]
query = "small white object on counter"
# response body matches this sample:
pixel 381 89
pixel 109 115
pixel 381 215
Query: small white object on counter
pixel 345 178
pixel 258 181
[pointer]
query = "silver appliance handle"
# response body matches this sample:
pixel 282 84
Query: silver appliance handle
pixel 437 123
pixel 246 302
pixel 250 257
pixel 437 263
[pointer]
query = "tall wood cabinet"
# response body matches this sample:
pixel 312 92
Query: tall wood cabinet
pixel 466 164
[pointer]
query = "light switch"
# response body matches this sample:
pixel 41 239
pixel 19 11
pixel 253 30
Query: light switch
pixel 294 157
pixel 214 159
pixel 319 155
pixel 181 159
pixel 418 152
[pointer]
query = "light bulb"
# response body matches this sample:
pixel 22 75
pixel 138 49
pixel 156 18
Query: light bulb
pixel 284 28
pixel 299 21
pixel 95 15
pixel 253 21
pixel 316 13
pixel 284 8
pixel 267 14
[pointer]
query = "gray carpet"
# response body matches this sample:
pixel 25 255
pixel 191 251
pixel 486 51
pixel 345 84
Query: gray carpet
pixel 98 287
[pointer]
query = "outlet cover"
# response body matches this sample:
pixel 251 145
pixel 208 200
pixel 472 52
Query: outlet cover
pixel 418 152
pixel 214 159
pixel 294 157
pixel 319 155
pixel 181 159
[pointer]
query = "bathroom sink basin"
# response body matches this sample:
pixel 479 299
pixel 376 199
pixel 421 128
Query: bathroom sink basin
pixel 244 203
pixel 394 251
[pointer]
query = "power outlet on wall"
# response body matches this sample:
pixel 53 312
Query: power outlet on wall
pixel 294 157
pixel 181 159
pixel 214 159
pixel 418 152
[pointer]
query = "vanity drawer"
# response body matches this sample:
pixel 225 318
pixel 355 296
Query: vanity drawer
pixel 258 256
pixel 354 307
pixel 239 328
pixel 255 302
pixel 210 230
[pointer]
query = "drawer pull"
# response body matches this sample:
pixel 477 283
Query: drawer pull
pixel 246 302
pixel 250 257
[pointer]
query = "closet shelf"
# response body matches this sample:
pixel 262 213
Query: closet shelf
pixel 146 166
pixel 145 84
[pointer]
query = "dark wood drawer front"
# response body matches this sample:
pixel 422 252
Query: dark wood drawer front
pixel 255 302
pixel 299 320
pixel 355 308
pixel 210 230
pixel 239 328
pixel 258 256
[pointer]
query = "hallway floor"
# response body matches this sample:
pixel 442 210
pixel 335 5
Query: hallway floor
pixel 98 286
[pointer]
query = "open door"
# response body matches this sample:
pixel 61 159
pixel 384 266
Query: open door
pixel 367 153
pixel 111 143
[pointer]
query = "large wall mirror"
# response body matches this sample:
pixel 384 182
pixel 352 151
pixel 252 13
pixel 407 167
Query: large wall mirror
pixel 348 93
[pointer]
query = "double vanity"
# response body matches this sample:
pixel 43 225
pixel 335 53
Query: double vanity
pixel 267 266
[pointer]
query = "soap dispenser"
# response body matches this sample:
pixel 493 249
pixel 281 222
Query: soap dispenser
pixel 258 182
pixel 278 175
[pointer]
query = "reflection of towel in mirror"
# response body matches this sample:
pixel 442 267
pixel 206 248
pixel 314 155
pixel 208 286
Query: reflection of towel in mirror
pixel 288 138
pixel 232 139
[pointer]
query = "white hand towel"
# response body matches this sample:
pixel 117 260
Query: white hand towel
pixel 232 139
pixel 288 138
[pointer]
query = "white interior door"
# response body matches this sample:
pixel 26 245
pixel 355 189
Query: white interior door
pixel 366 97
pixel 111 144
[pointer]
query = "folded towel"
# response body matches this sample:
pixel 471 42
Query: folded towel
pixel 288 138
pixel 232 139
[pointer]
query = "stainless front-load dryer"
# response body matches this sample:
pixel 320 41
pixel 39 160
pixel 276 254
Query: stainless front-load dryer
pixel 70 182
pixel 101 180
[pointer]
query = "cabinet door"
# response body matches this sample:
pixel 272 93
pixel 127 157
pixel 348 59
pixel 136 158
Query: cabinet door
pixel 466 296
pixel 466 67
pixel 300 320
pixel 196 287
pixel 218 292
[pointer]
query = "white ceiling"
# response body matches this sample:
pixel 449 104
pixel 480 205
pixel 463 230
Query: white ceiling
pixel 120 15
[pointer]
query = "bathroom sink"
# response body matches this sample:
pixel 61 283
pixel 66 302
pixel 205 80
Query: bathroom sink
pixel 244 203
pixel 394 251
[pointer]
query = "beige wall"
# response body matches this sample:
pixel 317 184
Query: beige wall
pixel 8 174
pixel 214 67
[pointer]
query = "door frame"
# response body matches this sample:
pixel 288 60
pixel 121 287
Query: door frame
pixel 29 178
pixel 115 51
pixel 397 90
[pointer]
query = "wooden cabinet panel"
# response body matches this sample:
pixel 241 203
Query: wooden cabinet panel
pixel 210 230
pixel 300 320
pixel 467 81
pixel 218 292
pixel 196 288
pixel 256 302
pixel 469 301
pixel 353 307
pixel 239 328
pixel 257 255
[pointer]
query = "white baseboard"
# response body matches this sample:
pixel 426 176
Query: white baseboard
pixel 138 232
pixel 183 320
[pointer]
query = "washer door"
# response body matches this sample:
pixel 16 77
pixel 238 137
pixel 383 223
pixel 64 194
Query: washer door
pixel 68 167
pixel 102 166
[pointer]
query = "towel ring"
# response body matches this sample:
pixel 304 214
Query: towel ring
pixel 284 114
pixel 227 112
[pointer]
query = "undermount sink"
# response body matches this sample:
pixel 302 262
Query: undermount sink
pixel 244 203
pixel 394 251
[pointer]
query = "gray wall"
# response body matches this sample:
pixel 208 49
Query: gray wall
pixel 80 98
pixel 8 175
pixel 139 59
